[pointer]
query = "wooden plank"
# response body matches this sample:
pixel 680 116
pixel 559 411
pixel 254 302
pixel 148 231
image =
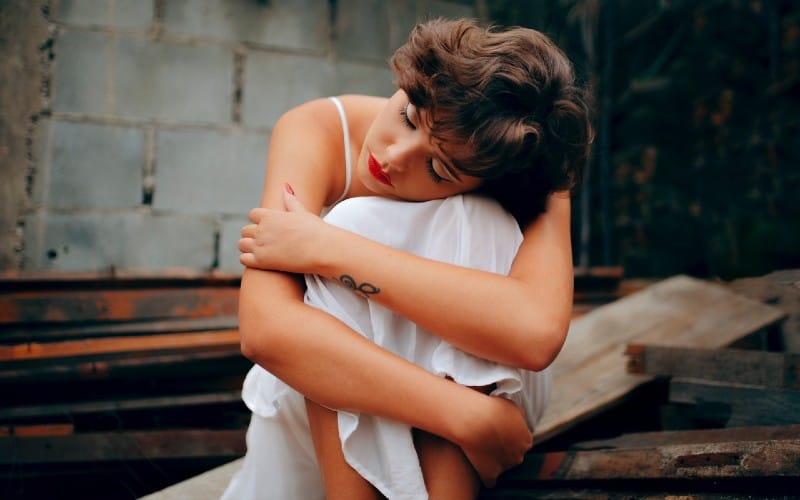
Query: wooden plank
pixel 131 445
pixel 696 436
pixel 747 459
pixel 67 305
pixel 85 347
pixel 590 373
pixel 36 430
pixel 115 279
pixel 738 366
pixel 63 331
pixel 198 361
pixel 630 492
pixel 737 405
pixel 90 407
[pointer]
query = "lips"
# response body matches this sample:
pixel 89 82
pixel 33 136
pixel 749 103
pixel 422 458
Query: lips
pixel 377 172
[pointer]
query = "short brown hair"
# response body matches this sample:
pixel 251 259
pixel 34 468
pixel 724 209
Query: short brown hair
pixel 510 96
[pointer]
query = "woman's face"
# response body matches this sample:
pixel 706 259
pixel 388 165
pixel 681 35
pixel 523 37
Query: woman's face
pixel 400 160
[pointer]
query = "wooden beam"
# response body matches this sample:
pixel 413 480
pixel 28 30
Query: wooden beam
pixel 117 279
pixel 748 459
pixel 118 405
pixel 691 436
pixel 28 430
pixel 590 376
pixel 738 366
pixel 37 307
pixel 131 445
pixel 66 331
pixel 86 347
pixel 737 405
pixel 197 361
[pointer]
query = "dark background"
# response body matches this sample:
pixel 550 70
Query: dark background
pixel 695 164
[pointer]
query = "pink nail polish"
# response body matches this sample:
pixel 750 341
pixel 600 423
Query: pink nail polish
pixel 288 188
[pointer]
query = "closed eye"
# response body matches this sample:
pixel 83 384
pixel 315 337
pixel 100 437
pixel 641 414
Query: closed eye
pixel 432 172
pixel 406 121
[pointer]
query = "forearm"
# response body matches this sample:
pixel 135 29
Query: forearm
pixel 501 318
pixel 331 364
pixel 519 320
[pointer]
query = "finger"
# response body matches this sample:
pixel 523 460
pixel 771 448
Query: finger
pixel 245 245
pixel 247 260
pixel 249 231
pixel 256 214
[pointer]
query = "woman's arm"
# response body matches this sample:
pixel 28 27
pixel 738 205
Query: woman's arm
pixel 519 320
pixel 333 365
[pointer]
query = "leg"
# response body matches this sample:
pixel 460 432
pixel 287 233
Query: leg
pixel 339 479
pixel 280 457
pixel 447 472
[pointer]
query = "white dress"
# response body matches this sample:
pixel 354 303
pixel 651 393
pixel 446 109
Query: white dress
pixel 466 230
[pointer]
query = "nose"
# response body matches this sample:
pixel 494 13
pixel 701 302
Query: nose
pixel 403 153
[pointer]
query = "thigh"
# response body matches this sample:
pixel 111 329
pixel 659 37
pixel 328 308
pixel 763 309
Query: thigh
pixel 447 472
pixel 279 463
pixel 339 479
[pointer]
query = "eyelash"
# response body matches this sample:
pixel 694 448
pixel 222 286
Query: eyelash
pixel 429 163
pixel 436 177
pixel 406 121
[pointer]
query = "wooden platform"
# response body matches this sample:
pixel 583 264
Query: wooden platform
pixel 590 373
pixel 595 373
pixel 133 382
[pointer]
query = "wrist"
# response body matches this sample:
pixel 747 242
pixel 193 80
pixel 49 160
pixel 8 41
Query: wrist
pixel 467 419
pixel 328 260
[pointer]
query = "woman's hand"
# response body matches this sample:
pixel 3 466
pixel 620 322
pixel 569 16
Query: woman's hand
pixel 290 240
pixel 499 441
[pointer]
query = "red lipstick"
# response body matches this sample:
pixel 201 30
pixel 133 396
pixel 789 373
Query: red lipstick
pixel 377 172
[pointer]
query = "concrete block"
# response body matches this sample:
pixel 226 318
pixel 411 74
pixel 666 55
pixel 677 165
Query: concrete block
pixel 403 14
pixel 87 165
pixel 292 24
pixel 275 83
pixel 362 29
pixel 97 242
pixel 369 79
pixel 230 233
pixel 120 14
pixel 170 82
pixel 80 70
pixel 202 171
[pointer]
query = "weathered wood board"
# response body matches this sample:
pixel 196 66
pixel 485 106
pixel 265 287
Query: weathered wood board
pixel 734 405
pixel 736 459
pixel 590 373
pixel 735 366
pixel 122 445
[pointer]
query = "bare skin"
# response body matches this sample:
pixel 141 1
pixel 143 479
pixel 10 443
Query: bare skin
pixel 529 308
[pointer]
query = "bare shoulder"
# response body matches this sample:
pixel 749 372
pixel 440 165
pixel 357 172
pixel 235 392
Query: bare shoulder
pixel 318 116
pixel 306 149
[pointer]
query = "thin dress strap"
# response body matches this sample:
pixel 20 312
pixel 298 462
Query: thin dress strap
pixel 347 162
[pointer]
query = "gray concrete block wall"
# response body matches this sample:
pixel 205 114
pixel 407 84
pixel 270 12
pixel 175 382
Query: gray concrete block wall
pixel 156 114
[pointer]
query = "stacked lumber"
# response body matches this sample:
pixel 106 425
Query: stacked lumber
pixel 132 381
pixel 684 360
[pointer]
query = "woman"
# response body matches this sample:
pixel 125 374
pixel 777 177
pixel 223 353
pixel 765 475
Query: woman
pixel 493 112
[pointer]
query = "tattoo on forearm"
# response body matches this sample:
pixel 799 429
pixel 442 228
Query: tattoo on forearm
pixel 366 289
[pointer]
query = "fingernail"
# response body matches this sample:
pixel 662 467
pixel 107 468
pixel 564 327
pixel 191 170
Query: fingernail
pixel 288 188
